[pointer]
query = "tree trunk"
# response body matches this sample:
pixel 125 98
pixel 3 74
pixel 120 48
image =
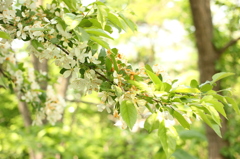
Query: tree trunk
pixel 207 57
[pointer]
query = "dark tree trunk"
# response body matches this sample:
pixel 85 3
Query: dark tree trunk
pixel 207 57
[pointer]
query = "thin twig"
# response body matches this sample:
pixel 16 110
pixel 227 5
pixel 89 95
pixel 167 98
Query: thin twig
pixel 104 77
pixel 65 51
pixel 81 101
pixel 230 43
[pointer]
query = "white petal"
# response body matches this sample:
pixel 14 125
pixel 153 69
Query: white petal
pixel 67 74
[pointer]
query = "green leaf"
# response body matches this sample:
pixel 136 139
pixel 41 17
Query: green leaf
pixel 82 35
pixel 233 104
pixel 100 42
pixel 39 29
pixel 130 24
pixel 128 113
pixel 63 70
pixel 162 133
pixel 105 86
pixel 98 32
pixel 4 35
pixel 205 118
pixel 140 85
pixel 206 87
pixel 151 123
pixel 194 83
pixel 192 134
pixel 158 83
pixel 101 15
pixel 108 64
pixel 116 21
pixel 102 53
pixel 166 87
pixel 114 62
pixel 37 45
pixel 118 91
pixel 72 4
pixel 221 75
pixel 72 20
pixel 216 104
pixel 181 154
pixel 149 68
pixel 186 90
pixel 181 119
pixel 54 40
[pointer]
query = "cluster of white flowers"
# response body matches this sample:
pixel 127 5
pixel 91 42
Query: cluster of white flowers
pixel 52 40
pixel 53 110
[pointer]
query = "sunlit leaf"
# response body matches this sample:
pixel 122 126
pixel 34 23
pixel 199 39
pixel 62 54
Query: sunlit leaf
pixel 82 35
pixel 206 119
pixel 101 15
pixel 115 20
pixel 128 112
pixel 194 83
pixel 140 85
pixel 4 35
pixel 100 41
pixel 98 32
pixel 72 20
pixel 216 104
pixel 71 4
pixel 158 83
pixel 162 133
pixel 130 24
pixel 186 90
pixel 221 75
pixel 206 87
pixel 234 104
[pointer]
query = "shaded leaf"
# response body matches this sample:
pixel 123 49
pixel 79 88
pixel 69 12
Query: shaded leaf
pixel 181 119
pixel 181 154
pixel 233 104
pixel 151 123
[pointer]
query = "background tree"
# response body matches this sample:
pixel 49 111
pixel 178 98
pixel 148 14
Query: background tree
pixel 208 55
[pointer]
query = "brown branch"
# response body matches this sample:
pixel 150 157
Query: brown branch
pixel 230 43
pixel 104 77
pixel 81 101
pixel 65 51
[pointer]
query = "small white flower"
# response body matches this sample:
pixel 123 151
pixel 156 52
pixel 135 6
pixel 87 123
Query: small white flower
pixel 120 123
